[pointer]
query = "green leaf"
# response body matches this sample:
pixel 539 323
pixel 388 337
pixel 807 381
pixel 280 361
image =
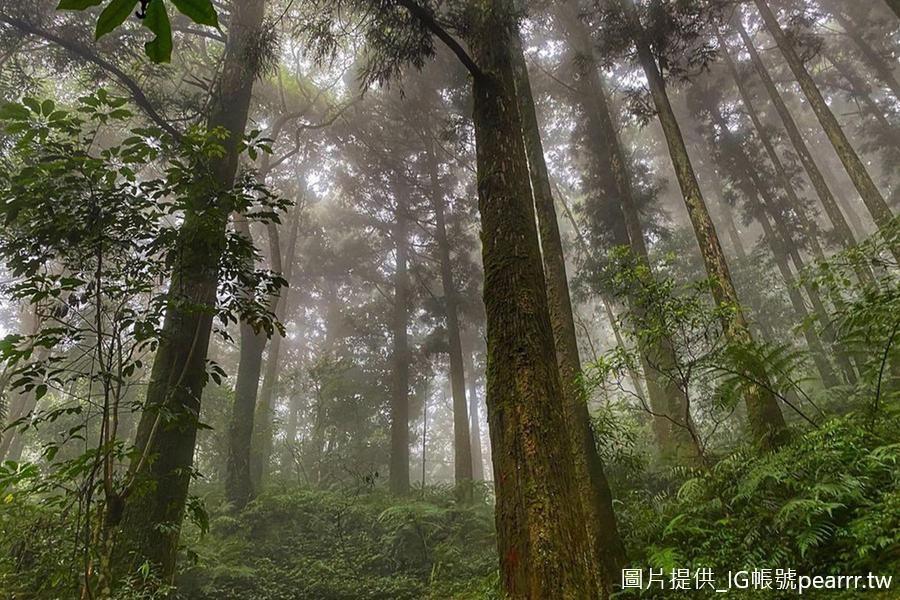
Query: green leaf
pixel 77 4
pixel 157 20
pixel 113 15
pixel 12 111
pixel 199 11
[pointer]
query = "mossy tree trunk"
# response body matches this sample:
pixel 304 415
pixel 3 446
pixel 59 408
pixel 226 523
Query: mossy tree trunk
pixel 593 488
pixel 542 541
pixel 767 424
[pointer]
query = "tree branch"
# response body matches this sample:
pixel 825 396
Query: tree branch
pixel 427 19
pixel 137 94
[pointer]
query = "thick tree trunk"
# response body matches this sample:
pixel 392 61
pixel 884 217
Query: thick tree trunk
pixel 855 168
pixel 162 467
pixel 399 460
pixel 542 541
pixel 673 426
pixel 474 420
pixel 462 449
pixel 593 488
pixel 838 222
pixel 263 442
pixel 767 424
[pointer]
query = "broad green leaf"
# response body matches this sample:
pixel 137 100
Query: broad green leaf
pixel 77 4
pixel 198 11
pixel 12 111
pixel 114 15
pixel 157 20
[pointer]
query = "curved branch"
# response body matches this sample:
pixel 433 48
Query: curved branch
pixel 137 94
pixel 427 19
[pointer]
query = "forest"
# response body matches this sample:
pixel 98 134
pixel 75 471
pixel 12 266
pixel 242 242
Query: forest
pixel 449 299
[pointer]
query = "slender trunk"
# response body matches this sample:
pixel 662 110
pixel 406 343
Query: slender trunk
pixel 399 462
pixel 733 234
pixel 673 427
pixel 163 463
pixel 263 443
pixel 462 450
pixel 542 542
pixel 474 419
pixel 633 375
pixel 832 209
pixel 762 206
pixel 593 487
pixel 766 421
pixel 784 179
pixel 855 168
pixel 238 485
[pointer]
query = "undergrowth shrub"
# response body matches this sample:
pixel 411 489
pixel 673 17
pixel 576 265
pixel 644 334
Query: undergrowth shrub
pixel 828 503
pixel 340 545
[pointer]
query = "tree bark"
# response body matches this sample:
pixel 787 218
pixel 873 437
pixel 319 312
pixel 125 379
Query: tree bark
pixel 673 427
pixel 399 459
pixel 767 424
pixel 857 171
pixel 162 467
pixel 590 478
pixel 462 449
pixel 542 541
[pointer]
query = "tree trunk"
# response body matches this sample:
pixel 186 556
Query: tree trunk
pixel 462 449
pixel 263 442
pixel 542 541
pixel 474 419
pixel 857 171
pixel 762 206
pixel 673 427
pixel 838 222
pixel 590 479
pixel 766 421
pixel 399 460
pixel 162 467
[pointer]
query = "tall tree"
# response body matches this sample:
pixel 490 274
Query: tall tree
pixel 399 460
pixel 673 425
pixel 766 420
pixel 166 435
pixel 855 168
pixel 591 480
pixel 462 449
pixel 835 216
